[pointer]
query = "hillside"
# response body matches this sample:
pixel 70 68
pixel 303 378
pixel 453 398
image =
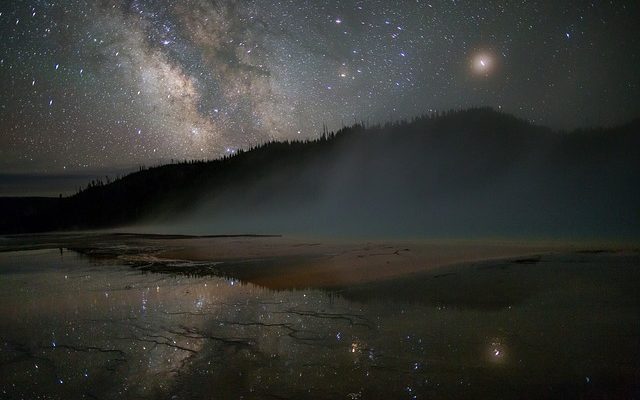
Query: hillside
pixel 466 173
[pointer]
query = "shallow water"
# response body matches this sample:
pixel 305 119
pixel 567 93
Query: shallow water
pixel 557 326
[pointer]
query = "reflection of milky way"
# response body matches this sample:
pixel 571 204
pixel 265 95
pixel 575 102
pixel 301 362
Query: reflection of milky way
pixel 107 84
pixel 75 327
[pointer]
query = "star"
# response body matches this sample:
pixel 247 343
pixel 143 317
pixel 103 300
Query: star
pixel 243 73
pixel 482 63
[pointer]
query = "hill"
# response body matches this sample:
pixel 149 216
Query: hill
pixel 464 173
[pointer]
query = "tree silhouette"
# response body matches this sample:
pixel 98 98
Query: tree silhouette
pixel 464 144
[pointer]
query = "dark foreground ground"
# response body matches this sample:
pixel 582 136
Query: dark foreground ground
pixel 125 316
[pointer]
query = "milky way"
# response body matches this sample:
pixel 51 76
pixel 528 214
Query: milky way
pixel 109 84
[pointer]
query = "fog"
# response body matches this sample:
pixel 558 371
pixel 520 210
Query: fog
pixel 474 174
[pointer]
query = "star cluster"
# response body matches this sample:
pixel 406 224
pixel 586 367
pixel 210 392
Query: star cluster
pixel 104 84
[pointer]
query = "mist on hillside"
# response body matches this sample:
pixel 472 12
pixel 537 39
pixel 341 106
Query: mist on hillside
pixel 470 174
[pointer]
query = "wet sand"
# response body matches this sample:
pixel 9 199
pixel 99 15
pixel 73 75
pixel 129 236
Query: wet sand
pixel 283 263
pixel 280 262
pixel 129 316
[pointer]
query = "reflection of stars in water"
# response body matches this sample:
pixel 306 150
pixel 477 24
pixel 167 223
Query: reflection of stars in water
pixel 144 301
pixel 354 347
pixel 497 351
pixel 199 303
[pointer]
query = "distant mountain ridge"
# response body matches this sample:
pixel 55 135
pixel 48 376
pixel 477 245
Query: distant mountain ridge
pixel 462 173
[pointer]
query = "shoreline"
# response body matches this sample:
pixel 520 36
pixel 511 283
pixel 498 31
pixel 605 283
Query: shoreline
pixel 280 262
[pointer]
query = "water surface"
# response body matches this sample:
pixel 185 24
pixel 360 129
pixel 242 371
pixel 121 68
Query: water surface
pixel 564 325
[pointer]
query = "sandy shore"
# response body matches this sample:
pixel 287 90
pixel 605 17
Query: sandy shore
pixel 280 262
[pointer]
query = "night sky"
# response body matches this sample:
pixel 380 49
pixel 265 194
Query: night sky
pixel 90 85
